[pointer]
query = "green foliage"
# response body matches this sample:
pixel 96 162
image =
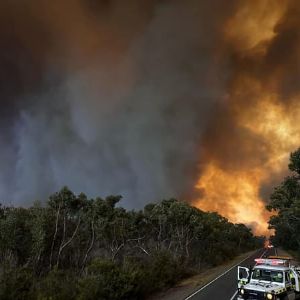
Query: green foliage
pixel 15 237
pixel 165 270
pixel 57 285
pixel 294 164
pixel 78 248
pixel 285 202
pixel 134 279
pixel 105 280
pixel 16 284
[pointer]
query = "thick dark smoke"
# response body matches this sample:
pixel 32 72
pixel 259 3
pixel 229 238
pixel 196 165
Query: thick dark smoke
pixel 138 97
pixel 107 96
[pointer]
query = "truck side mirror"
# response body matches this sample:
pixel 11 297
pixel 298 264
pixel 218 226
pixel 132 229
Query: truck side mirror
pixel 293 281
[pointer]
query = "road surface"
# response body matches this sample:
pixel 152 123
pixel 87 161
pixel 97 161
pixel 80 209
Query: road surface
pixel 224 287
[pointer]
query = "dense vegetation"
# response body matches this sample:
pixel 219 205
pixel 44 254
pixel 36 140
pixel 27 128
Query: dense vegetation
pixel 78 248
pixel 285 202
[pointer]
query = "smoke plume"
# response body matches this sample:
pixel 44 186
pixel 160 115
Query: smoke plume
pixel 106 96
pixel 149 99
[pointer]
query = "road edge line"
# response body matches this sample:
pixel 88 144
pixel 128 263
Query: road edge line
pixel 234 295
pixel 209 283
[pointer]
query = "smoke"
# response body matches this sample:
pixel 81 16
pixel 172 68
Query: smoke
pixel 149 99
pixel 107 96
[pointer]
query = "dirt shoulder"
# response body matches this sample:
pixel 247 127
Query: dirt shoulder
pixel 186 287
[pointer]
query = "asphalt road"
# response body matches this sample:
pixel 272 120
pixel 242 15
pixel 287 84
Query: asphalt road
pixel 224 287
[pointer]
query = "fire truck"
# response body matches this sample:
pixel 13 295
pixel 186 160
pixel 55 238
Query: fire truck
pixel 272 278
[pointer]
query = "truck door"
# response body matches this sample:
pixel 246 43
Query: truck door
pixel 243 273
pixel 295 278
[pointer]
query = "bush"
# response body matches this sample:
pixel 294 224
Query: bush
pixel 57 285
pixel 165 270
pixel 105 280
pixel 16 284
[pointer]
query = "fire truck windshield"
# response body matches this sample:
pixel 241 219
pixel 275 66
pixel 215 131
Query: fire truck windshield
pixel 267 275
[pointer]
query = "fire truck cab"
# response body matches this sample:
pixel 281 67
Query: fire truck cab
pixel 271 278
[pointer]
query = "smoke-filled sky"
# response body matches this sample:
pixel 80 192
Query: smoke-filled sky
pixel 149 99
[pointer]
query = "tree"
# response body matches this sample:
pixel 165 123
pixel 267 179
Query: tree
pixel 15 236
pixel 285 202
pixel 73 247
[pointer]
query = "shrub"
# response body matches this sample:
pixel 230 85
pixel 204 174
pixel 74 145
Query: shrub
pixel 16 284
pixel 105 280
pixel 57 285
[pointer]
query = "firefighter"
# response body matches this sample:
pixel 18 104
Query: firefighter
pixel 243 279
pixel 291 277
pixel 242 282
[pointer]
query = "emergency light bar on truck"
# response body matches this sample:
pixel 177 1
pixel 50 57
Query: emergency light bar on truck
pixel 272 262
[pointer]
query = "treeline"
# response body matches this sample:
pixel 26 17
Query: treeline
pixel 78 248
pixel 285 202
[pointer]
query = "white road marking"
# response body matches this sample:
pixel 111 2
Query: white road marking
pixel 255 265
pixel 205 286
pixel 234 295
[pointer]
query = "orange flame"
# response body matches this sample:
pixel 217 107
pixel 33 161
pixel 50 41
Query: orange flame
pixel 236 193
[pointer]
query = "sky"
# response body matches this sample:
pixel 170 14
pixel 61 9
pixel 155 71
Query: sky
pixel 197 100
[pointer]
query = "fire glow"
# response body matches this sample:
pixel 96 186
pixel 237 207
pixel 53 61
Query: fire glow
pixel 271 121
pixel 236 194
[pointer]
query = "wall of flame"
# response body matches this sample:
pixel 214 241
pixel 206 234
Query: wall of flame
pixel 263 108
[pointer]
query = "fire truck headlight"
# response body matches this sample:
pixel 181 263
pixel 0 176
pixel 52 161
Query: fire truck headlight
pixel 242 291
pixel 269 296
